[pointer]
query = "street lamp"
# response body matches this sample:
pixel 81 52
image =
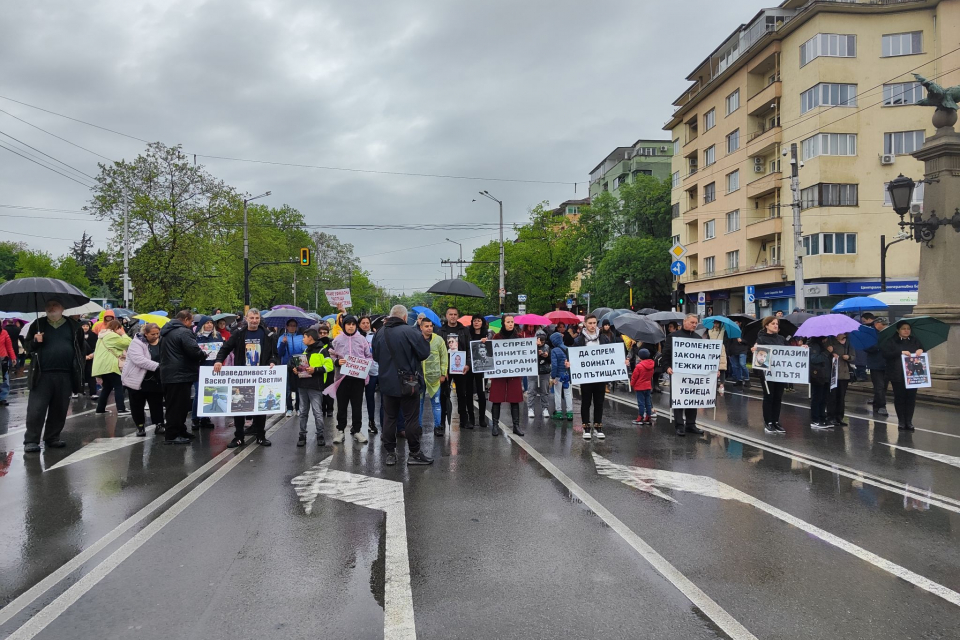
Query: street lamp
pixel 503 290
pixel 901 196
pixel 246 253
pixel 461 254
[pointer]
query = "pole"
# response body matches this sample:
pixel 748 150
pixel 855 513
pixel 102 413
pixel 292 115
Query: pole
pixel 294 287
pixel 246 263
pixel 126 252
pixel 883 263
pixel 631 296
pixel 503 290
pixel 797 232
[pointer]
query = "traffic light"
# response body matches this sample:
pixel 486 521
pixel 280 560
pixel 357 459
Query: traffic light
pixel 673 299
pixel 681 296
pixel 305 257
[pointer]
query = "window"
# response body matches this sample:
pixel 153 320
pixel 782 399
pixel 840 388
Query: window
pixel 774 252
pixel 709 155
pixel 901 44
pixel 901 93
pixel 646 151
pixel 676 147
pixel 733 101
pixel 675 240
pixel 774 166
pixel 828 94
pixel 675 179
pixel 573 210
pixel 675 211
pixel 902 142
pixel 830 144
pixel 733 141
pixel 710 193
pixel 830 244
pixel 710 120
pixel 709 265
pixel 829 195
pixel 709 229
pixel 733 221
pixel 733 181
pixel 828 44
pixel 917 195
pixel 733 260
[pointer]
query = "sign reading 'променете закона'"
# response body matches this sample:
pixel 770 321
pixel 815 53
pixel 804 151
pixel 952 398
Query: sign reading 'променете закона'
pixel 701 356
pixel 597 363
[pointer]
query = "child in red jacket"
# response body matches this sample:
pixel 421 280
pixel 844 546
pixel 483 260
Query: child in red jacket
pixel 642 383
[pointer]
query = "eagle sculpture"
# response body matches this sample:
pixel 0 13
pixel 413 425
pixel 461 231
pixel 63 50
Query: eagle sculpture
pixel 937 96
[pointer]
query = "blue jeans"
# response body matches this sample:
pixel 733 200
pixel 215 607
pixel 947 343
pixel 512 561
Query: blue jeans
pixel 645 402
pixel 5 385
pixel 434 404
pixel 738 368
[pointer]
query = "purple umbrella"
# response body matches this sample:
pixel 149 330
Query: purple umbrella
pixel 831 324
pixel 286 306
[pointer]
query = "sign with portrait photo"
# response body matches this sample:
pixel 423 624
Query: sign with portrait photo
pixel 242 391
pixel 784 364
pixel 481 354
pixel 916 371
pixel 458 360
pixel 210 348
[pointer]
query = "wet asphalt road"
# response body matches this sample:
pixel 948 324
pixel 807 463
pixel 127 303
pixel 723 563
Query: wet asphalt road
pixel 850 533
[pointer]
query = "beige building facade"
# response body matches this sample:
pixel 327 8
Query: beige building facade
pixel 835 79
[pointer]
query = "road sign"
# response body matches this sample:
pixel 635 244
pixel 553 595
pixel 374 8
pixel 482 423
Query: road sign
pixel 521 309
pixel 678 251
pixel 678 268
pixel 750 294
pixel 701 298
pixel 569 303
pixel 521 298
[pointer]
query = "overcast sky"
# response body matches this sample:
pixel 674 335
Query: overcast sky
pixel 529 90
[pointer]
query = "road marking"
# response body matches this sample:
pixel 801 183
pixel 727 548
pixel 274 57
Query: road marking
pixel 381 495
pixel 944 502
pixel 49 613
pixel 101 446
pixel 940 457
pixel 643 478
pixel 692 592
pixel 23 427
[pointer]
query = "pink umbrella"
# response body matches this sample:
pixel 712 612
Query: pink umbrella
pixel 581 318
pixel 532 319
pixel 562 316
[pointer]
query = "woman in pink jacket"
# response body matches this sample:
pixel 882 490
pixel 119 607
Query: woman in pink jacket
pixel 349 342
pixel 141 377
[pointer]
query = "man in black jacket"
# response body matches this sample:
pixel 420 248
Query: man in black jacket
pixel 180 359
pixel 398 348
pixel 56 348
pixel 455 335
pixel 685 420
pixel 251 346
pixel 878 367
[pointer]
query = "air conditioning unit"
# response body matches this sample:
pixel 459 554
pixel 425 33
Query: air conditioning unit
pixel 758 168
pixel 663 148
pixel 888 158
pixel 758 161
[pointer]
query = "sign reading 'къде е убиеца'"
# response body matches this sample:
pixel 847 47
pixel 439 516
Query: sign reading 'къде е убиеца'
pixel 513 358
pixel 597 363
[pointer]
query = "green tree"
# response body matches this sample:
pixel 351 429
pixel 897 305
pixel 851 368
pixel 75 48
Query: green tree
pixel 644 262
pixel 69 270
pixel 8 259
pixel 35 264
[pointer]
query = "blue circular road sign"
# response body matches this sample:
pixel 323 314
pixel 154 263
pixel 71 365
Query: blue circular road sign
pixel 678 268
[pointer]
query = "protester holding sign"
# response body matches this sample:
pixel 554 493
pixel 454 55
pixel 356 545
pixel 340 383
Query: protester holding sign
pixel 684 419
pixel 456 338
pixel 845 357
pixel 209 337
pixel 506 389
pixel 249 343
pixel 477 333
pixel 288 345
pixel 592 393
pixel 538 386
pixel 772 391
pixel 349 390
pixel 821 366
pixel 311 382
pixel 904 399
pixel 435 371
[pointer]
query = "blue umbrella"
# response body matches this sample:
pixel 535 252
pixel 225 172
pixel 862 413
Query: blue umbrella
pixel 280 317
pixel 490 318
pixel 854 305
pixel 429 313
pixel 159 313
pixel 864 337
pixel 731 327
pixel 330 317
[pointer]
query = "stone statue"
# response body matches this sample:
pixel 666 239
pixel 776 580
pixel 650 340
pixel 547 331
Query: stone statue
pixel 937 96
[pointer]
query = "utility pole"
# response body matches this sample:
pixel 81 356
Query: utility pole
pixel 797 232
pixel 294 287
pixel 503 289
pixel 126 251
pixel 461 258
pixel 246 254
pixel 884 246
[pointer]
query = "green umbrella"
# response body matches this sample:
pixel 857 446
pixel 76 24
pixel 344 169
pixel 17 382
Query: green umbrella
pixel 496 324
pixel 928 330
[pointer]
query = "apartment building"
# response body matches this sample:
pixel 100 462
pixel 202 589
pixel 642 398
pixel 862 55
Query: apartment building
pixel 834 78
pixel 623 164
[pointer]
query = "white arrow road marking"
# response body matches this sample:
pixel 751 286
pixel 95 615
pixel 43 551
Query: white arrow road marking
pixel 101 446
pixel 382 495
pixel 641 477
pixel 939 457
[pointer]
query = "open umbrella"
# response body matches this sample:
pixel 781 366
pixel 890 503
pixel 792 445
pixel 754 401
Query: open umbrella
pixel 465 320
pixel 640 329
pixel 428 313
pixel 224 316
pixel 152 317
pixel 160 312
pixel 496 324
pixel 120 312
pixel 741 317
pixel 864 337
pixel 330 317
pixel 731 328
pixel 646 311
pixel 798 317
pixel 280 317
pixel 666 316
pixel 928 330
pixel 457 287
pixel 286 306
pixel 562 316
pixel 32 294
pixel 490 318
pixel 601 311
pixel 613 315
pixel 831 324
pixel 752 330
pixel 857 305
pixel 13 315
pixel 533 319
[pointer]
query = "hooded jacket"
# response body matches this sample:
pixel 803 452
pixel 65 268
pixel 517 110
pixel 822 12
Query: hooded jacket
pixel 180 357
pixel 111 347
pixel 436 365
pixel 543 356
pixel 406 350
pixel 642 378
pixel 213 337
pixel 318 357
pixel 288 345
pixel 138 363
pixel 558 355
pixel 354 344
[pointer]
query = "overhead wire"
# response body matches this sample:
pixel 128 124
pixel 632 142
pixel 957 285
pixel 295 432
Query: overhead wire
pixel 55 135
pixel 71 167
pixel 3 146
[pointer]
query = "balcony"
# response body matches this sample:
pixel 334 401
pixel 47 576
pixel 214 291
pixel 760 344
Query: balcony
pixel 760 102
pixel 764 141
pixel 763 228
pixel 764 186
pixel 735 271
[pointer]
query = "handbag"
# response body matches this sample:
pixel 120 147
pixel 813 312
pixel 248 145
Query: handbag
pixel 409 382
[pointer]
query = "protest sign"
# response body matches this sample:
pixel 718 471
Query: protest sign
pixel 356 367
pixel 210 348
pixel 242 391
pixel 299 364
pixel 761 358
pixel 598 363
pixel 339 298
pixel 696 356
pixel 482 356
pixel 834 373
pixel 693 389
pixel 785 364
pixel 916 371
pixel 458 360
pixel 513 358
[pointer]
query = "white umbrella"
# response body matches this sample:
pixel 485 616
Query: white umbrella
pixel 897 298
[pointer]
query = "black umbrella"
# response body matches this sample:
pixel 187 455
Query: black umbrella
pixel 752 330
pixel 457 287
pixel 741 318
pixel 666 316
pixel 646 311
pixel 601 311
pixel 33 294
pixel 611 316
pixel 639 329
pixel 797 318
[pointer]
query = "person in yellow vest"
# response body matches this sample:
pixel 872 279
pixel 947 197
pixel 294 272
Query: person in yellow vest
pixel 314 374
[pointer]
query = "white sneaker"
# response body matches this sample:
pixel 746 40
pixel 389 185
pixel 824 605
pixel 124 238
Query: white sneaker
pixel 289 413
pixel 599 435
pixel 338 439
pixel 530 413
pixel 546 413
pixel 359 437
pixel 586 432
